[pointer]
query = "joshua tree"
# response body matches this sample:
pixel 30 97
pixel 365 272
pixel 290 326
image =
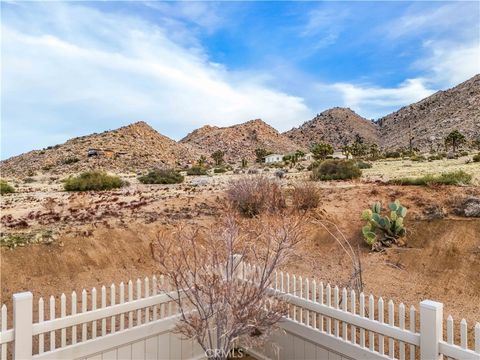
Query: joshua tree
pixel 202 161
pixel 217 156
pixel 222 300
pixel 260 155
pixel 455 139
pixel 346 151
pixel 321 151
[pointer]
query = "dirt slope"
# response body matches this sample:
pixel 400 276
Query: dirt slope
pixel 128 149
pixel 428 121
pixel 240 141
pixel 337 126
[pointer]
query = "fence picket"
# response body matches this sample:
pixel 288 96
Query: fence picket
pixel 401 316
pixel 103 304
pixel 381 313
pixel 154 292
pixel 335 305
pixel 4 328
pixel 162 287
pixel 63 313
pixel 307 293
pixel 139 296
pixel 353 305
pixel 391 322
pixel 41 338
pixel 130 299
pixel 147 294
pixel 371 313
pixel 412 329
pixel 294 285
pixel 74 312
pixel 320 298
pixel 282 285
pixel 362 314
pixel 122 301
pixel 328 303
pixel 463 334
pixel 52 316
pixel 477 337
pixel 113 319
pixel 450 330
pixel 344 308
pixel 301 295
pixel 84 309
pixel 93 296
pixel 314 299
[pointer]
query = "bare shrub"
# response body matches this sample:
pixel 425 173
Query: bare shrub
pixel 305 195
pixel 253 195
pixel 221 300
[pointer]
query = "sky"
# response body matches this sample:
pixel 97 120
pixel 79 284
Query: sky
pixel 73 68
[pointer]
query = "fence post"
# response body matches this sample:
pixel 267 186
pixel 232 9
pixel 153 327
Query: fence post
pixel 22 325
pixel 431 329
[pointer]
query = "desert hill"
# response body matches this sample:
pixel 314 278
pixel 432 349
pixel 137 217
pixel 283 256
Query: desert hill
pixel 337 126
pixel 130 148
pixel 428 121
pixel 240 141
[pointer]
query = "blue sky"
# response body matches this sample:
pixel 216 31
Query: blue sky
pixel 73 68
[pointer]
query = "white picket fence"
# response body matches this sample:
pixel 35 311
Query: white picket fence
pixel 323 322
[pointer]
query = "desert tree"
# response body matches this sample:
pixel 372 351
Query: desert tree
pixel 217 156
pixel 202 161
pixel 321 150
pixel 346 151
pixel 454 139
pixel 224 301
pixel 260 154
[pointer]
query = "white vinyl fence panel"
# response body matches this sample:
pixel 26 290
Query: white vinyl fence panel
pixel 135 321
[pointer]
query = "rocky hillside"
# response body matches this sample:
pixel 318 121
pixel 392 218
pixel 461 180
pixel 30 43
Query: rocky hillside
pixel 131 148
pixel 428 121
pixel 240 141
pixel 337 126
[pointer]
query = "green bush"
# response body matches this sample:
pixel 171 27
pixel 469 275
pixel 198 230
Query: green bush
pixel 452 178
pixel 71 160
pixel 6 188
pixel 336 170
pixel 93 180
pixel 197 170
pixel 476 158
pixel 393 154
pixel 464 153
pixel 418 158
pixel 158 176
pixel 364 165
pixel 219 170
pixel 313 165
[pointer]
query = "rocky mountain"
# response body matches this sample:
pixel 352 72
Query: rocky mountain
pixel 427 122
pixel 337 126
pixel 131 148
pixel 240 141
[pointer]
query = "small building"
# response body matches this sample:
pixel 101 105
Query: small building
pixel 308 156
pixel 92 152
pixel 273 158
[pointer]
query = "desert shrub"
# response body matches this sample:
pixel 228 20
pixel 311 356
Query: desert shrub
pixel 364 165
pixel 392 154
pixel 336 170
pixel 452 178
pixel 435 157
pixel 219 170
pixel 464 153
pixel 93 180
pixel 28 180
pixel 313 165
pixel 305 196
pixel 384 230
pixel 6 188
pixel 159 176
pixel 197 170
pixel 71 160
pixel 253 195
pixel 476 158
pixel 418 158
pixel 47 167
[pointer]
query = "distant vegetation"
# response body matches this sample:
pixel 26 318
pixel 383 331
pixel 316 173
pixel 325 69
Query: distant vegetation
pixel 6 188
pixel 320 151
pixel 452 178
pixel 336 170
pixel 197 170
pixel 476 158
pixel 93 180
pixel 158 176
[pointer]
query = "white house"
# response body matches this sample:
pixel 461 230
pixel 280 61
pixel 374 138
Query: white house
pixel 273 158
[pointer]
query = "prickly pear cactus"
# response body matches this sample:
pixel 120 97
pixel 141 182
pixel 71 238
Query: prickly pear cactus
pixel 383 230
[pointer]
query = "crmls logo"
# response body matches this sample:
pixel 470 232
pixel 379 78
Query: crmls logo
pixel 231 354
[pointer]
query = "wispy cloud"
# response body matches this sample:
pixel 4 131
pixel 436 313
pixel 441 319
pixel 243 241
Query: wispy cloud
pixel 102 70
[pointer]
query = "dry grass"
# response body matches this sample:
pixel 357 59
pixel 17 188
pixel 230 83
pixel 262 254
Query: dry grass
pixel 305 195
pixel 386 170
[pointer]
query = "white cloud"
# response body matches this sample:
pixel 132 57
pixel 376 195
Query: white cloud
pixel 68 69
